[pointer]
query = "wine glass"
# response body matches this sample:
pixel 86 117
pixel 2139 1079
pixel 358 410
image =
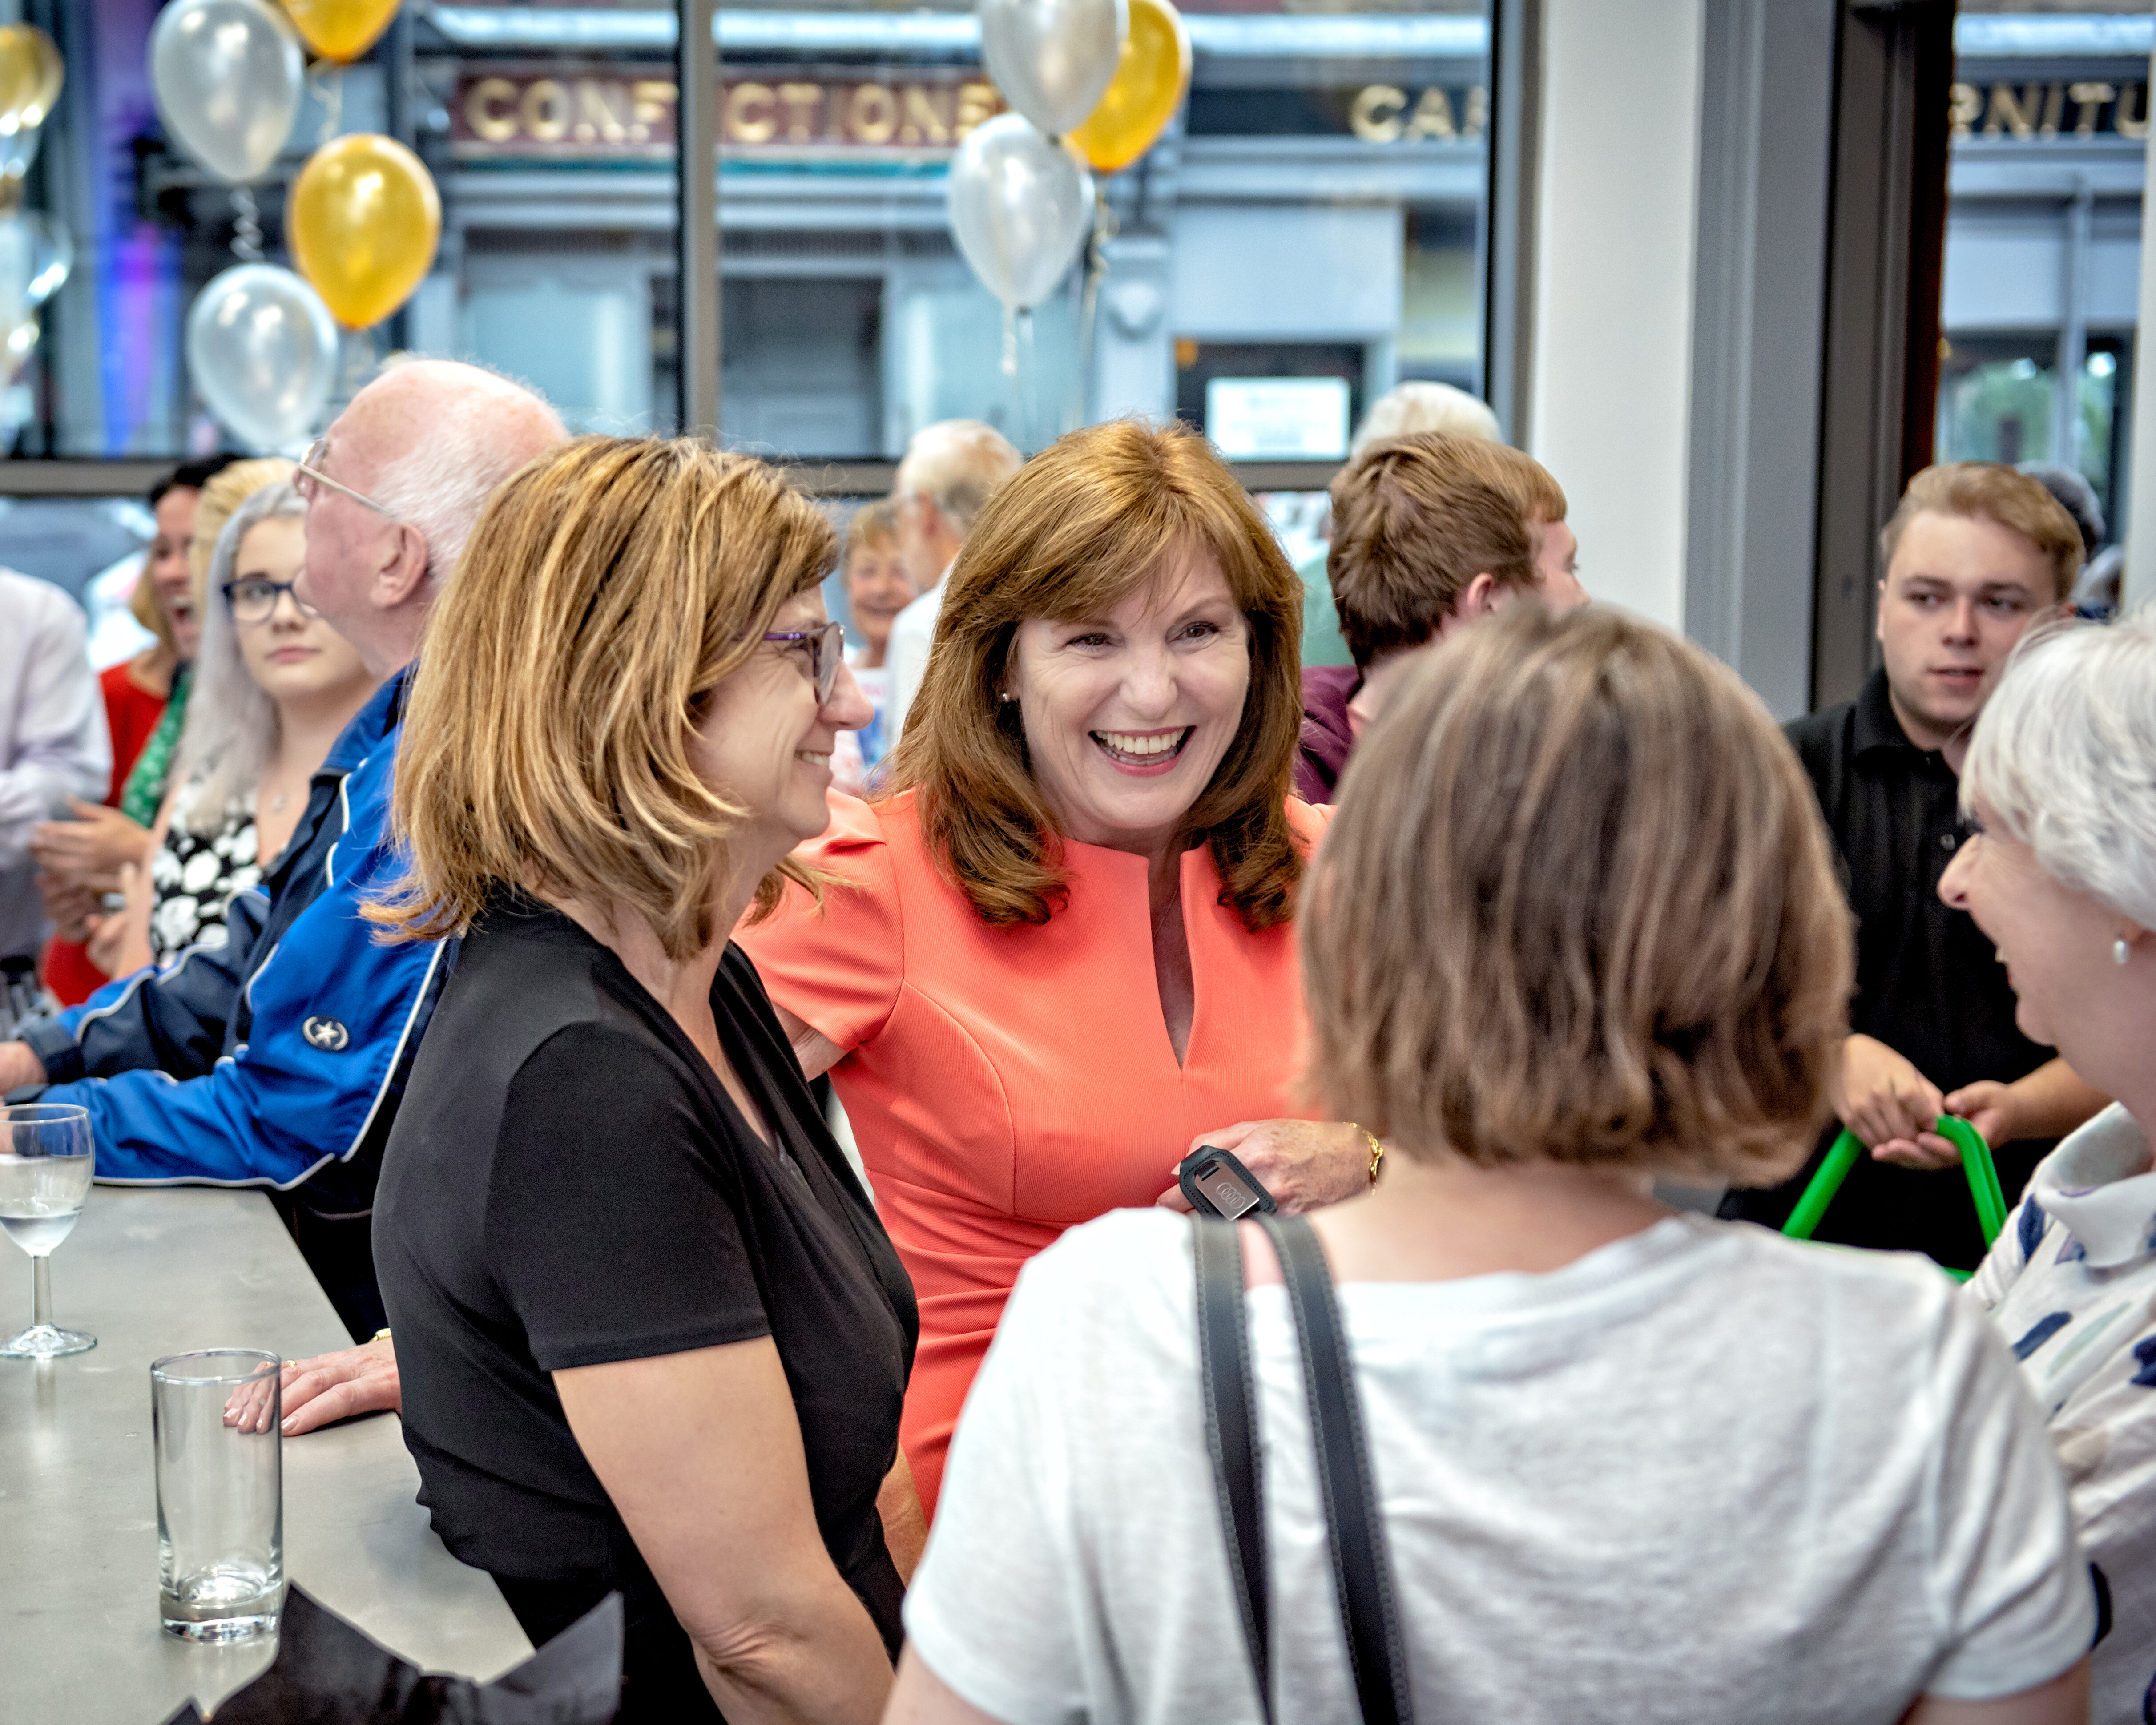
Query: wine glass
pixel 45 1166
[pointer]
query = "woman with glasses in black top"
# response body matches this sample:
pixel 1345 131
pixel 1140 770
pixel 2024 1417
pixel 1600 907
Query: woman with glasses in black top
pixel 651 1335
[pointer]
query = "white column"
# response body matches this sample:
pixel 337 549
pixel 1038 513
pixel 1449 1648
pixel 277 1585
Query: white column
pixel 1617 211
pixel 2141 485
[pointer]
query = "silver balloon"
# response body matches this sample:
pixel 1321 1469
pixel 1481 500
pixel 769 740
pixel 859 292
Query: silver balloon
pixel 1053 59
pixel 262 351
pixel 1021 205
pixel 18 340
pixel 228 75
pixel 35 257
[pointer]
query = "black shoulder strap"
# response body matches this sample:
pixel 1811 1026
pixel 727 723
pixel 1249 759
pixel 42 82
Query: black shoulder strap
pixel 1360 1570
pixel 1231 1434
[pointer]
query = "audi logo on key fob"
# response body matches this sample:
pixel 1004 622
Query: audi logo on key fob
pixel 1217 1184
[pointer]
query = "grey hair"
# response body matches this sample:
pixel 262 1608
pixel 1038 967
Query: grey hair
pixel 956 465
pixel 443 483
pixel 232 725
pixel 1422 406
pixel 2064 758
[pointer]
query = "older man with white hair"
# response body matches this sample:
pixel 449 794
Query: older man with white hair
pixel 290 1043
pixel 949 471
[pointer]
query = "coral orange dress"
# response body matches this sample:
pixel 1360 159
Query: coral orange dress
pixel 1005 1084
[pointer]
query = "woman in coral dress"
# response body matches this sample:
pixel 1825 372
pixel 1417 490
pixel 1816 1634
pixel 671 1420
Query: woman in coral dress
pixel 1058 952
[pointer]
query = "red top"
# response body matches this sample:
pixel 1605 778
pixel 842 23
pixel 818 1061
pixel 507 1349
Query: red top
pixel 1005 1084
pixel 131 713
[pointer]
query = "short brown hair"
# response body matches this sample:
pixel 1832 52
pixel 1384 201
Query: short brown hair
pixel 1415 519
pixel 1576 904
pixel 1990 491
pixel 872 524
pixel 608 586
pixel 1087 522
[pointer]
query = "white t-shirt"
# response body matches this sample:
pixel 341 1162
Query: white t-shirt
pixel 1703 1473
pixel 912 633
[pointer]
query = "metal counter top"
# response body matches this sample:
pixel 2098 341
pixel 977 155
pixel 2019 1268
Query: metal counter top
pixel 151 1272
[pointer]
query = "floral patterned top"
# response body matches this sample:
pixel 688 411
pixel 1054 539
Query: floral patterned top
pixel 194 875
pixel 2071 1280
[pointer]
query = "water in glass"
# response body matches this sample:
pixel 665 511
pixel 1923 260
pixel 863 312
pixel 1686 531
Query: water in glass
pixel 45 1169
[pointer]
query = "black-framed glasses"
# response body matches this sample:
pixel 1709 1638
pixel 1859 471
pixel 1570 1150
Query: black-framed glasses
pixel 827 652
pixel 252 598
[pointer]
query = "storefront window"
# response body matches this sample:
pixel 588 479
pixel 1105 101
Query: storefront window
pixel 1313 211
pixel 1999 401
pixel 2049 124
pixel 1306 231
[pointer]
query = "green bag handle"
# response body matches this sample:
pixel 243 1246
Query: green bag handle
pixel 1976 1164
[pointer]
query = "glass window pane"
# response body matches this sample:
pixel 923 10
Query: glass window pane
pixel 2049 124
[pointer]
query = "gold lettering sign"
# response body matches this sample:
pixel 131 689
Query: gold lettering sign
pixel 544 112
pixel 749 114
pixel 516 111
pixel 2039 112
pixel 1386 114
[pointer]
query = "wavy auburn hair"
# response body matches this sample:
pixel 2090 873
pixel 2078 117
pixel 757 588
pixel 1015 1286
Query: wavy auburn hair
pixel 607 588
pixel 1576 904
pixel 1098 514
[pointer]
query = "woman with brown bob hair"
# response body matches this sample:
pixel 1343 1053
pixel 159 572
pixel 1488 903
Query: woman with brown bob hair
pixel 1063 955
pixel 1575 924
pixel 651 1337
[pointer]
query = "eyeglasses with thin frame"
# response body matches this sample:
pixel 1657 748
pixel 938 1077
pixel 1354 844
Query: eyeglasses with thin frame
pixel 253 598
pixel 309 475
pixel 827 652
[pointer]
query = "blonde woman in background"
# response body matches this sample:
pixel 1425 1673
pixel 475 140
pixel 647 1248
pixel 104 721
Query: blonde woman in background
pixel 877 589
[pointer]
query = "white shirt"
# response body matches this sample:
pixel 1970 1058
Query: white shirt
pixel 912 633
pixel 54 743
pixel 1702 1473
pixel 2072 1283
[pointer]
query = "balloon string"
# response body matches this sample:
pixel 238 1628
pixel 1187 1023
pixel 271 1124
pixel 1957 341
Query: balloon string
pixel 1010 342
pixel 1105 228
pixel 1029 406
pixel 327 77
pixel 247 230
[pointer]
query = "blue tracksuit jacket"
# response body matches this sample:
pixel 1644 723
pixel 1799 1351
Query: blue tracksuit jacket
pixel 278 1059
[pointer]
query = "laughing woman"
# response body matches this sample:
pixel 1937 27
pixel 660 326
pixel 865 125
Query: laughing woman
pixel 2062 776
pixel 1062 955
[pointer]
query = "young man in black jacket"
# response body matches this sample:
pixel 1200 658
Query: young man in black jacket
pixel 1973 554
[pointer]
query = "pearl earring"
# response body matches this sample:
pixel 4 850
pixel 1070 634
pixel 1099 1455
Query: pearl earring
pixel 2120 952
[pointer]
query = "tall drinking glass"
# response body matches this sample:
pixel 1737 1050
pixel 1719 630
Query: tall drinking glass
pixel 220 1495
pixel 45 1166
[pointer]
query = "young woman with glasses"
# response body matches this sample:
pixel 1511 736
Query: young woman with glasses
pixel 274 684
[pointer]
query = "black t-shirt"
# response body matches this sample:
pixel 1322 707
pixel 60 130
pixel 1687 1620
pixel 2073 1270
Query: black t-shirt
pixel 567 1184
pixel 1928 984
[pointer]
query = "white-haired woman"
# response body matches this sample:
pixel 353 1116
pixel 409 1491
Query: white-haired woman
pixel 2062 774
pixel 274 684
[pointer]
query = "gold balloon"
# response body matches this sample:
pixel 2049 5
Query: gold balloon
pixel 31 74
pixel 1148 89
pixel 363 222
pixel 341 29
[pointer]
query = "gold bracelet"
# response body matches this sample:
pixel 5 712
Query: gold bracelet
pixel 380 1335
pixel 1377 1150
